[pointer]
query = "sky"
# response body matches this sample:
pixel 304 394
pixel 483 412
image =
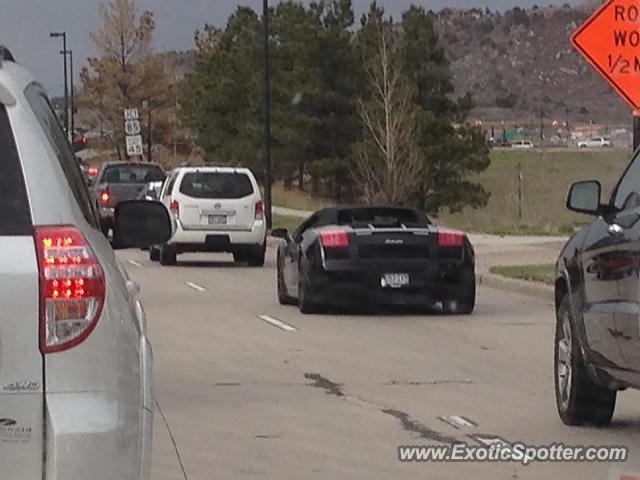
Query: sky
pixel 25 25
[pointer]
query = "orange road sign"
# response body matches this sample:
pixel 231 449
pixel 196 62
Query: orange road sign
pixel 610 41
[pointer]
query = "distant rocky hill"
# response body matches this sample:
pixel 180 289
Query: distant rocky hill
pixel 515 63
pixel 521 61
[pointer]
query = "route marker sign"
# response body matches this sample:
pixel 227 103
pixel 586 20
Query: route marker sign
pixel 132 127
pixel 610 41
pixel 131 114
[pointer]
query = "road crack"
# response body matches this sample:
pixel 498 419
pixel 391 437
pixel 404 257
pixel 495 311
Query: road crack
pixel 324 383
pixel 414 426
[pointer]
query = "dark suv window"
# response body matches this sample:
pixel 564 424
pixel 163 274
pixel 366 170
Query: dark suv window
pixel 132 173
pixel 627 194
pixel 15 218
pixel 41 107
pixel 216 185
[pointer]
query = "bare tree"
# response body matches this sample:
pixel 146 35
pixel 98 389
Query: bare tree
pixel 388 166
pixel 126 74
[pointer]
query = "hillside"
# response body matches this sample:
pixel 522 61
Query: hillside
pixel 515 64
pixel 521 61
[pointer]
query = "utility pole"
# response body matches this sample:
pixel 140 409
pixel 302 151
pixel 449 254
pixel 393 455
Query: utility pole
pixel 63 35
pixel 266 141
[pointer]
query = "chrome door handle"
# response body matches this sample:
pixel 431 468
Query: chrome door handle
pixel 615 229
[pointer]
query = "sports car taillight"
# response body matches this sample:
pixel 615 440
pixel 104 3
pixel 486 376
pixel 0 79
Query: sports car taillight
pixel 72 287
pixel 334 239
pixel 449 239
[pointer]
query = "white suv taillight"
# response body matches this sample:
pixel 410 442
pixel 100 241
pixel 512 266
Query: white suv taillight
pixel 259 211
pixel 72 287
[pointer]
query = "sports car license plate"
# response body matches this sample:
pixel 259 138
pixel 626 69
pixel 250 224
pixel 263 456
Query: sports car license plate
pixel 395 280
pixel 217 219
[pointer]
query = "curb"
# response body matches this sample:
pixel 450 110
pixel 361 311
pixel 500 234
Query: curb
pixel 532 289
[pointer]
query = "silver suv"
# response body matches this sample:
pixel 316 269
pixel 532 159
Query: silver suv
pixel 75 363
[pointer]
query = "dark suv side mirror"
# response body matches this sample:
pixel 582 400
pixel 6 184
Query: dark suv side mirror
pixel 141 224
pixel 584 197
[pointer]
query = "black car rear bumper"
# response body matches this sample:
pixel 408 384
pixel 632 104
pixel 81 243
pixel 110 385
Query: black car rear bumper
pixel 429 282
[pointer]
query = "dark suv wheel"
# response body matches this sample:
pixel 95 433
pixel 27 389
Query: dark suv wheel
pixel 256 255
pixel 579 399
pixel 168 255
pixel 154 254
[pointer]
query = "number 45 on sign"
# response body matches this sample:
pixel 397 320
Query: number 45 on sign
pixel 134 146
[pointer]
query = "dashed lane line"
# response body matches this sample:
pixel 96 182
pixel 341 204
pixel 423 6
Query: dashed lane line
pixel 278 323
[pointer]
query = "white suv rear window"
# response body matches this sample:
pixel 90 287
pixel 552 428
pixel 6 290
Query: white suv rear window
pixel 216 185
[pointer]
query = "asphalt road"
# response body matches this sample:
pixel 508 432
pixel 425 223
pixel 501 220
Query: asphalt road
pixel 332 397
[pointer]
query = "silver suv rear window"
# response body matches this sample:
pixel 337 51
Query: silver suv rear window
pixel 216 185
pixel 15 218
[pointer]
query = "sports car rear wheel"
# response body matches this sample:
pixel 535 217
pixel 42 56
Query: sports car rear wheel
pixel 465 301
pixel 283 296
pixel 306 302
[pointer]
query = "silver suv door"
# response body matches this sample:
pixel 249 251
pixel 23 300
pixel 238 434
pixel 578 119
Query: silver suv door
pixel 20 358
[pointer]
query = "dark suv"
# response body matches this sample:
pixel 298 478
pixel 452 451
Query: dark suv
pixel 597 290
pixel 120 181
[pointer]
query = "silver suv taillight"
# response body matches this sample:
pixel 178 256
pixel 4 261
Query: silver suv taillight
pixel 72 287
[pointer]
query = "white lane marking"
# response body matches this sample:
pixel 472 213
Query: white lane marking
pixel 277 323
pixel 458 422
pixel 462 421
pixel 195 286
pixel 487 440
pixel 134 263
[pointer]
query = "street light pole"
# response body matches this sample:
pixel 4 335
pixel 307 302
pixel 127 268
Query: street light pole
pixel 73 102
pixel 66 79
pixel 266 141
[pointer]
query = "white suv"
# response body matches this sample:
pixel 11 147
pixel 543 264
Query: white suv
pixel 215 209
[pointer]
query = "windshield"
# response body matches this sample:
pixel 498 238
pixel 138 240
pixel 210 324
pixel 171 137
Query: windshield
pixel 215 185
pixel 380 217
pixel 132 174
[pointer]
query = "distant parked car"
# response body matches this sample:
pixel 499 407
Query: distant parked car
pixel 595 142
pixel 79 142
pixel 522 144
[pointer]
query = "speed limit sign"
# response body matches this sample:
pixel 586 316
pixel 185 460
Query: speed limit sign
pixel 134 146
